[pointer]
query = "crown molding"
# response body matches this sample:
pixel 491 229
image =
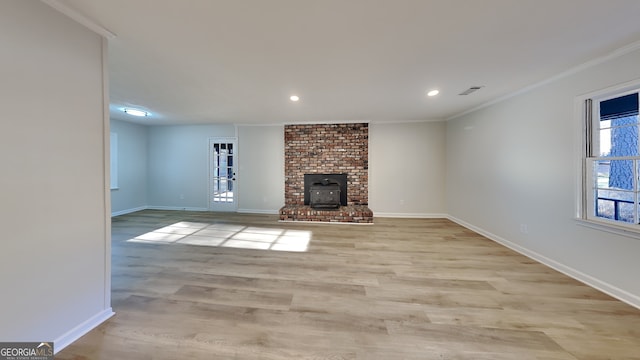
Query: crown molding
pixel 576 69
pixel 80 18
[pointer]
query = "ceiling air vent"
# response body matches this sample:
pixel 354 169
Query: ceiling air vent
pixel 470 90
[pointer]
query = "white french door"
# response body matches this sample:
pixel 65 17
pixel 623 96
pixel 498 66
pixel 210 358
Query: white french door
pixel 223 195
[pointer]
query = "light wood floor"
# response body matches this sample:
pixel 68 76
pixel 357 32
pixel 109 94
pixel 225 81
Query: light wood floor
pixel 399 289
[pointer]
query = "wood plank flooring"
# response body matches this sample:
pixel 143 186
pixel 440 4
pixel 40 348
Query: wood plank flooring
pixel 398 289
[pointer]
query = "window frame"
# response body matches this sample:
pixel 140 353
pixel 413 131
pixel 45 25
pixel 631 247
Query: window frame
pixel 588 110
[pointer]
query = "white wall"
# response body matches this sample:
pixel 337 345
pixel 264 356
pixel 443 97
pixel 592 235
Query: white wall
pixel 178 165
pixel 261 168
pixel 513 166
pixel 407 169
pixel 54 252
pixel 132 167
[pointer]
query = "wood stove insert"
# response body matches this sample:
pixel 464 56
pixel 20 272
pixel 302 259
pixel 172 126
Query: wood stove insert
pixel 325 191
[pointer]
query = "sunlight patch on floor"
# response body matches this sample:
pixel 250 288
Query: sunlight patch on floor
pixel 228 235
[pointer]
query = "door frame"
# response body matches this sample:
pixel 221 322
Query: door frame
pixel 233 207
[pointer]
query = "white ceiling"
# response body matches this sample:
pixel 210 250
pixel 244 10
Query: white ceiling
pixel 223 61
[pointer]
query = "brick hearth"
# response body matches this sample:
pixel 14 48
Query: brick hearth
pixel 325 149
pixel 351 213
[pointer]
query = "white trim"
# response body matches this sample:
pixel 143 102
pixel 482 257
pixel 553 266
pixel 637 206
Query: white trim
pixel 591 63
pixel 410 215
pixel 579 146
pixel 336 122
pixel 81 19
pixel 259 125
pixel 82 329
pixel 259 211
pixel 128 211
pixel 583 205
pixel 613 227
pixel 610 91
pixel 392 122
pixel 177 208
pixel 620 294
pixel 147 207
pixel 106 145
pixel 329 122
pixel 236 157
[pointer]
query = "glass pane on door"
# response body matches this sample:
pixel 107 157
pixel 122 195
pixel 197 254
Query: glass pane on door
pixel 223 173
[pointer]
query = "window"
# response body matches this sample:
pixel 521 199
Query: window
pixel 612 159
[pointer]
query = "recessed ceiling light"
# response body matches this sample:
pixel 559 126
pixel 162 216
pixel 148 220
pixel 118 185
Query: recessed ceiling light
pixel 136 112
pixel 433 93
pixel 294 98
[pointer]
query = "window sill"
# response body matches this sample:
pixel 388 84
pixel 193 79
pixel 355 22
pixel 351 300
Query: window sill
pixel 611 228
pixel 115 188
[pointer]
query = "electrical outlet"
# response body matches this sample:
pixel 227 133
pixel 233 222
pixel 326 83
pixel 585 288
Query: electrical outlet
pixel 524 228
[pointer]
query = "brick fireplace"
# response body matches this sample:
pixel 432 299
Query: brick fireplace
pixel 327 149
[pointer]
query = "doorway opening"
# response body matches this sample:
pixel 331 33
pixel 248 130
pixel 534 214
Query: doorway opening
pixel 223 193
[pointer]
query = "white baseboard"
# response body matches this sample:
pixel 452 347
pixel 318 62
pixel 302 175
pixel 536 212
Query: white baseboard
pixel 409 215
pixel 178 208
pixel 605 287
pixel 150 207
pixel 128 211
pixel 80 330
pixel 258 211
